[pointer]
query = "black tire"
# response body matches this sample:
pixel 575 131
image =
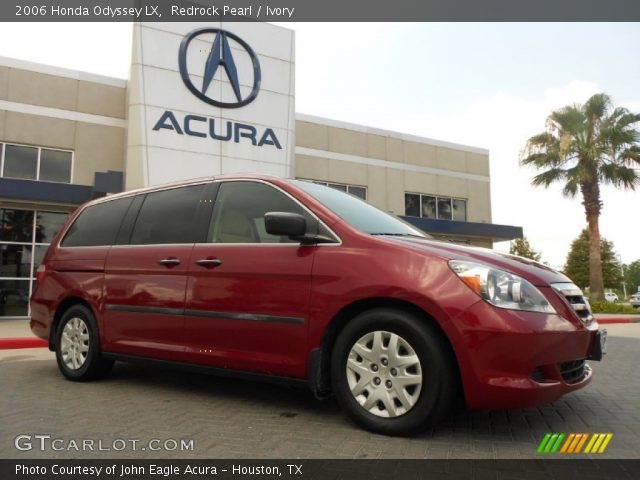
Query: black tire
pixel 439 375
pixel 93 366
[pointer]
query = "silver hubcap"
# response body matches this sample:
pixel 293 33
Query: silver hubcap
pixel 75 343
pixel 384 374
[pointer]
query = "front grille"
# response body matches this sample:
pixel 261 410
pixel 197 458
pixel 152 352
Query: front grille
pixel 572 371
pixel 576 299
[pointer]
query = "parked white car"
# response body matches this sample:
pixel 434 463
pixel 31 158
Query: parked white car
pixel 611 297
pixel 635 300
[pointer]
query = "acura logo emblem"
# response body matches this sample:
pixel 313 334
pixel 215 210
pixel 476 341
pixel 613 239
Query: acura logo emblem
pixel 220 58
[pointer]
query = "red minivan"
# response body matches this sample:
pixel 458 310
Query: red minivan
pixel 293 281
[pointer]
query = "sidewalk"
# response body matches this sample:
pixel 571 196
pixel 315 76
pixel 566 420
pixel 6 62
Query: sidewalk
pixel 16 334
pixel 15 328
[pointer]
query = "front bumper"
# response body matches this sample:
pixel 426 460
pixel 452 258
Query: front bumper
pixel 512 359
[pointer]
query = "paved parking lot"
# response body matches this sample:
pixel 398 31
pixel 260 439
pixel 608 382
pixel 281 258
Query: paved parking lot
pixel 236 419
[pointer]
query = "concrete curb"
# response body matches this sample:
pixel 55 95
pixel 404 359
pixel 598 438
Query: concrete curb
pixel 613 320
pixel 23 342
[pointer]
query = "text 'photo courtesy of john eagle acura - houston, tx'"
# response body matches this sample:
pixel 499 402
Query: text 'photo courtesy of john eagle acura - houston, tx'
pixel 290 280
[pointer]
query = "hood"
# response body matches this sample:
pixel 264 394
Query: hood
pixel 536 273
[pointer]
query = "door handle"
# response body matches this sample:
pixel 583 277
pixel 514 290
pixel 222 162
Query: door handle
pixel 209 262
pixel 169 262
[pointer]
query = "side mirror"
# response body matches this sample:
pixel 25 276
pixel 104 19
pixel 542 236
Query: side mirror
pixel 285 224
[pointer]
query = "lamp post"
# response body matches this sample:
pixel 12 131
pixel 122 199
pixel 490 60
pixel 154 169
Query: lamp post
pixel 624 285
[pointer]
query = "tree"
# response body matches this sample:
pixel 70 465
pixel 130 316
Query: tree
pixel 577 267
pixel 585 146
pixel 632 276
pixel 522 248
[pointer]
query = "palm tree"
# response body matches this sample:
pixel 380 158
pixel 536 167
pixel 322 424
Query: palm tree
pixel 584 146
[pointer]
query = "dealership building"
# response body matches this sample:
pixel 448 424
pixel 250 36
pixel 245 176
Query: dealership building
pixel 203 100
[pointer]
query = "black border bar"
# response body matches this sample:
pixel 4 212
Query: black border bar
pixel 367 469
pixel 320 11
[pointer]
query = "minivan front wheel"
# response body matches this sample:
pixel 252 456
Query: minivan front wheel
pixel 391 372
pixel 78 346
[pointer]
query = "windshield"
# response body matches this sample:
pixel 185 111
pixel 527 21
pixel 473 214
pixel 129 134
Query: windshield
pixel 358 213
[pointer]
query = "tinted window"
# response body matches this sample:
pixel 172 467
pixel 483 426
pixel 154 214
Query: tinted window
pixel 14 298
pixel 238 214
pixel 358 213
pixel 444 208
pixel 359 192
pixel 460 210
pixel 338 186
pixel 97 225
pixel 412 204
pixel 55 166
pixel 20 162
pixel 168 216
pixel 16 225
pixel 429 207
pixel 48 224
pixel 15 260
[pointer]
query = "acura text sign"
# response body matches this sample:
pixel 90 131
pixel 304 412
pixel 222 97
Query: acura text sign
pixel 210 99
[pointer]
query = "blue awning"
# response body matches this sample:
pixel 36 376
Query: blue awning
pixel 471 229
pixel 37 191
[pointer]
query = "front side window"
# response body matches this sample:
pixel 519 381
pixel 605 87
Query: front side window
pixel 168 216
pixel 97 225
pixel 238 214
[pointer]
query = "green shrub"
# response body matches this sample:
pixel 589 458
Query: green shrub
pixel 608 307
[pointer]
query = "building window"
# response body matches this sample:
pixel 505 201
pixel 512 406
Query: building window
pixel 430 206
pixel 36 163
pixel 356 190
pixel 459 210
pixel 24 238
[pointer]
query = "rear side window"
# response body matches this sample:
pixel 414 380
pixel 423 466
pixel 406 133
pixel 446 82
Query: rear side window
pixel 168 216
pixel 97 225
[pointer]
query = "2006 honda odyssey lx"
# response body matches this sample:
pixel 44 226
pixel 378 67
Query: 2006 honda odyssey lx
pixel 290 279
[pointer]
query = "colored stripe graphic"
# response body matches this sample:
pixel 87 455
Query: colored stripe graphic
pixel 543 443
pixel 555 447
pixel 581 443
pixel 573 443
pixel 598 442
pixel 568 442
pixel 551 442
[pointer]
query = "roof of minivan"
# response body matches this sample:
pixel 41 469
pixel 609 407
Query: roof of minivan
pixel 192 181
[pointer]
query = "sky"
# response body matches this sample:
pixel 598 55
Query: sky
pixel 488 85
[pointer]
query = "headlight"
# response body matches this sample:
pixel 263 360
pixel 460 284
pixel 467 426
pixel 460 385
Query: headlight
pixel 500 288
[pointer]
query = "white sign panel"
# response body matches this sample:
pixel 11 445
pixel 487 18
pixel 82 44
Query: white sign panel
pixel 208 99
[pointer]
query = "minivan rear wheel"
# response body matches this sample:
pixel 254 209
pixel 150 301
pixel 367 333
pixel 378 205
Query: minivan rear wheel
pixel 78 346
pixel 392 373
